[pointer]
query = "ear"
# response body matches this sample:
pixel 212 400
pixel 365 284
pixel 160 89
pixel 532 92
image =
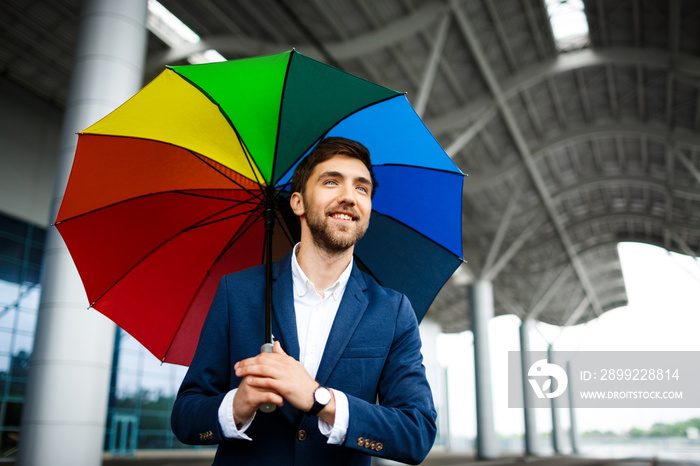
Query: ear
pixel 297 204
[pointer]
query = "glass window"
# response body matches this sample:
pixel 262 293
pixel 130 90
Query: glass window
pixel 21 247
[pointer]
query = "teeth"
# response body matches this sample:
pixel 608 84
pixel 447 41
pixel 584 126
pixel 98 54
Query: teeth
pixel 342 216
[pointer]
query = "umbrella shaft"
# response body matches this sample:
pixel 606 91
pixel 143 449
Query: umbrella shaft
pixel 267 407
pixel 269 226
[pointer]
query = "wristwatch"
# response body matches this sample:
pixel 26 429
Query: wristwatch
pixel 322 396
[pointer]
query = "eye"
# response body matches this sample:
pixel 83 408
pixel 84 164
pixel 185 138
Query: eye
pixel 363 189
pixel 330 182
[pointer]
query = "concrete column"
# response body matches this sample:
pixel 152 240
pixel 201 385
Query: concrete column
pixel 481 304
pixel 528 395
pixel 445 423
pixel 573 430
pixel 66 401
pixel 557 434
pixel 429 332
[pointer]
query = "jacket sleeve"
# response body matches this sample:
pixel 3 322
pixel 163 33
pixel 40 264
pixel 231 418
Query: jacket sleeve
pixel 402 425
pixel 194 417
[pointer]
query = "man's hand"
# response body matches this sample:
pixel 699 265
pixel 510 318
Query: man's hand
pixel 248 399
pixel 270 378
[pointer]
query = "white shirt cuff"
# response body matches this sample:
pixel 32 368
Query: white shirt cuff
pixel 336 432
pixel 228 425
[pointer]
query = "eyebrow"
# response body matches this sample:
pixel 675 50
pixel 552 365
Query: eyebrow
pixel 337 174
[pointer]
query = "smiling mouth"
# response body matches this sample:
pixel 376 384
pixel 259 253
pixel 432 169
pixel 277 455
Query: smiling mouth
pixel 342 216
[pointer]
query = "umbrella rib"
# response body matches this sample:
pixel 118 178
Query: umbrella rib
pixel 162 243
pixel 279 116
pixel 201 157
pixel 242 230
pixel 251 162
pixel 286 232
pixel 255 200
pixel 205 160
pixel 365 269
pixel 185 193
pixel 417 232
pixel 212 222
pixel 418 167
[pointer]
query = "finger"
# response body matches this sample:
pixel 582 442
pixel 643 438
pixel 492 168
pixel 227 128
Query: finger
pixel 258 370
pixel 245 362
pixel 277 348
pixel 272 397
pixel 264 390
pixel 260 359
pixel 248 399
pixel 264 384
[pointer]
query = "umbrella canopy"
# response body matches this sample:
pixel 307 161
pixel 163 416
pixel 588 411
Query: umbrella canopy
pixel 168 192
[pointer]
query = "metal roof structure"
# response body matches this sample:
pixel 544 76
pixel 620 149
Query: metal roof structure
pixel 568 152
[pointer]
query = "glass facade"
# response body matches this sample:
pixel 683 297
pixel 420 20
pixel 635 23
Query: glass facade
pixel 21 249
pixel 141 399
pixel 142 389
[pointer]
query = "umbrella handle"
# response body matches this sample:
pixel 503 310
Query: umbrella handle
pixel 267 407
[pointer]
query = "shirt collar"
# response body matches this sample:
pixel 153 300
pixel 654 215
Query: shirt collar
pixel 302 284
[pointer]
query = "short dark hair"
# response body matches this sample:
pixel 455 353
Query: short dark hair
pixel 324 150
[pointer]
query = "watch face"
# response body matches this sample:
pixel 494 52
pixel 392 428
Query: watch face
pixel 322 395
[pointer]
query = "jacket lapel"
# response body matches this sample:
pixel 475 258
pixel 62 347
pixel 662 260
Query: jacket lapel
pixel 284 326
pixel 350 311
pixel 284 322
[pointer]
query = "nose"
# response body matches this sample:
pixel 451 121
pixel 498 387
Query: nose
pixel 347 195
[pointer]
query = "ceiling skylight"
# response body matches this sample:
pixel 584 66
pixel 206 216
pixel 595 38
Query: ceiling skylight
pixel 168 28
pixel 569 24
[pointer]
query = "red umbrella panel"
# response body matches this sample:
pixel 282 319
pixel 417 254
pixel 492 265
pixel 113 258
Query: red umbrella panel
pixel 174 242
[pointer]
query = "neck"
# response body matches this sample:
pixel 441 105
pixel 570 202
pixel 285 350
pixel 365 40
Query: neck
pixel 322 267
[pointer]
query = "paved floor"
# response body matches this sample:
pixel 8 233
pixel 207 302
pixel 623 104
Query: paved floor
pixel 455 459
pixel 436 458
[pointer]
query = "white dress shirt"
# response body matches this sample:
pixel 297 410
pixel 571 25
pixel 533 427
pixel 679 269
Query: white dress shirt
pixel 314 317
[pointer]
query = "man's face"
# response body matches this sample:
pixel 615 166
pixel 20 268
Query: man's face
pixel 337 203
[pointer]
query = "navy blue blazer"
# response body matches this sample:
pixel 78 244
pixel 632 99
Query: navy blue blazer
pixel 373 355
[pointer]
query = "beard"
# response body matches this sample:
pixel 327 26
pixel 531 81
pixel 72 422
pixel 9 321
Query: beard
pixel 333 238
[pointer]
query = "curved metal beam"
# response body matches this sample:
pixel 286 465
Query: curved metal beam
pixel 428 80
pixel 644 182
pixel 586 133
pixel 658 223
pixel 640 216
pixel 552 290
pixel 392 33
pixel 684 66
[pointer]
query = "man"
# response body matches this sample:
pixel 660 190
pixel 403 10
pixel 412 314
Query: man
pixel 346 369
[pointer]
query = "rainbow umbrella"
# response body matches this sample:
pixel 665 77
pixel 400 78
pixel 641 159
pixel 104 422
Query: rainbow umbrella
pixel 184 181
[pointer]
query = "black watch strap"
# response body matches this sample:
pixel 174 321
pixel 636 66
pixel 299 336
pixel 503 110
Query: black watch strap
pixel 315 409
